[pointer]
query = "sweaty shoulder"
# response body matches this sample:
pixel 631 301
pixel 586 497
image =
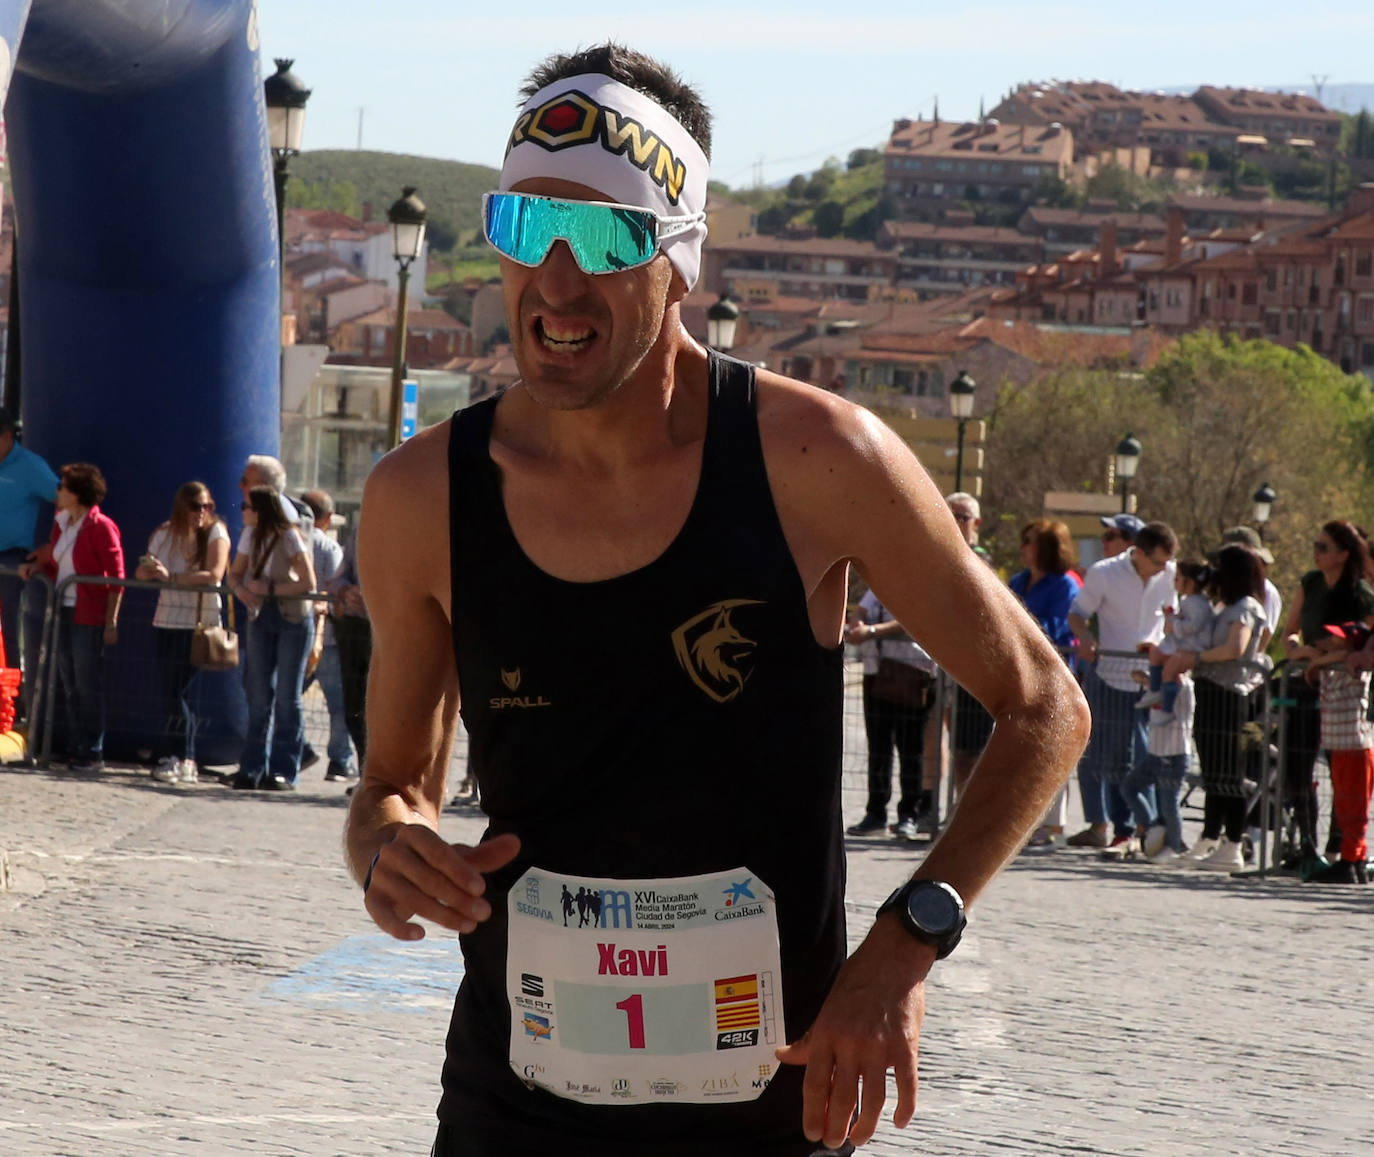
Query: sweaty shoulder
pixel 814 442
pixel 843 482
pixel 403 527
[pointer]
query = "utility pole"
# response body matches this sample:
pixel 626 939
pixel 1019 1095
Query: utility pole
pixel 1318 84
pixel 361 111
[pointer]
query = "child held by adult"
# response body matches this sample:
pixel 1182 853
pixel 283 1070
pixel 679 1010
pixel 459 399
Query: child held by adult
pixel 1187 630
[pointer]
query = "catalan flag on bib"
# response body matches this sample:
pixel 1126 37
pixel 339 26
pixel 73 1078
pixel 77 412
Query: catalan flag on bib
pixel 737 1002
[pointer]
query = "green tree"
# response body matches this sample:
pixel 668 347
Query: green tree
pixel 829 218
pixel 1129 190
pixel 821 183
pixel 1216 417
pixel 796 187
pixel 861 157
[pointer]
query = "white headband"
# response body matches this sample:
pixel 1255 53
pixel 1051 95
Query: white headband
pixel 638 154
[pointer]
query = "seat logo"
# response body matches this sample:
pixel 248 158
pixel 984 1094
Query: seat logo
pixel 713 652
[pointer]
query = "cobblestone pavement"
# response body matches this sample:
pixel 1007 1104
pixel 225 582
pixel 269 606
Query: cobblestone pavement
pixel 189 970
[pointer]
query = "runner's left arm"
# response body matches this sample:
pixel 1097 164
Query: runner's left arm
pixel 850 492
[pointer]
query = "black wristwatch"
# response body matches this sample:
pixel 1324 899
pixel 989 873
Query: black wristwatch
pixel 932 911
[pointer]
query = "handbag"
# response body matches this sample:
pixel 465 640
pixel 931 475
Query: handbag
pixel 214 648
pixel 902 684
pixel 312 660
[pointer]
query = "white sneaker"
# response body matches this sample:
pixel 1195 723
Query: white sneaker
pixel 1165 858
pixel 190 773
pixel 168 770
pixel 1225 857
pixel 1199 851
pixel 1153 841
pixel 1149 699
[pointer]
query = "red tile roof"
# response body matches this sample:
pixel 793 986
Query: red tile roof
pixel 980 140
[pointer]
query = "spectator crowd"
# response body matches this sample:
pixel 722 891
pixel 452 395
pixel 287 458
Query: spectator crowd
pixel 1175 659
pixel 304 619
pixel 1174 656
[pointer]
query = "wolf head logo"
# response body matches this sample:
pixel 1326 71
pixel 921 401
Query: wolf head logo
pixel 713 652
pixel 511 679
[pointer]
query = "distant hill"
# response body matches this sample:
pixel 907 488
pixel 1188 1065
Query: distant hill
pixel 347 179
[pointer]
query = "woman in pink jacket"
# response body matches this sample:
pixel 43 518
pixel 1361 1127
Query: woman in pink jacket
pixel 84 542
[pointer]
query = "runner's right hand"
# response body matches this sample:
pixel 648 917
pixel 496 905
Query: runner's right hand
pixel 419 874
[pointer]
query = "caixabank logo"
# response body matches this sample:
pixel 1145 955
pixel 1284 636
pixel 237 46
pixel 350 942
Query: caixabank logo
pixel 572 118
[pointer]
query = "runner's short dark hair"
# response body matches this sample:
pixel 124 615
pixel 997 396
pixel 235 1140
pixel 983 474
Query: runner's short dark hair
pixel 634 70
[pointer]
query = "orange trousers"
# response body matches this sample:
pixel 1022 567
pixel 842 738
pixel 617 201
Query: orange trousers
pixel 1352 781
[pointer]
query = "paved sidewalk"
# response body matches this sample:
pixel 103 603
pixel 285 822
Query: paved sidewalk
pixel 189 970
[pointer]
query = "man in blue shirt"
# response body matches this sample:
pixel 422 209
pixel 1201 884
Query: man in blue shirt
pixel 27 488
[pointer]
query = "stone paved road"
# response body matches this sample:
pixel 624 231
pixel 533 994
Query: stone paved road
pixel 189 971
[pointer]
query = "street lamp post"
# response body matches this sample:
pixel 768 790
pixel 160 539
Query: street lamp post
pixel 721 320
pixel 1127 461
pixel 1264 500
pixel 407 217
pixel 285 97
pixel 961 393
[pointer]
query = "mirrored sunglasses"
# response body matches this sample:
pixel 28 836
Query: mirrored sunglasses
pixel 604 238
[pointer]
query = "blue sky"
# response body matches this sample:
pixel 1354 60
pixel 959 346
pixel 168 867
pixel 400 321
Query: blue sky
pixel 790 82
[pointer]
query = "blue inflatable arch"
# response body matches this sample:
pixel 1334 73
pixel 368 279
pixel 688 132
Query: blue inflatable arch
pixel 147 268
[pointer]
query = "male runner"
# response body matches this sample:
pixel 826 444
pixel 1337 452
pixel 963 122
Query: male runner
pixel 634 564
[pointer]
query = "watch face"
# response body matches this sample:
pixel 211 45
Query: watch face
pixel 933 909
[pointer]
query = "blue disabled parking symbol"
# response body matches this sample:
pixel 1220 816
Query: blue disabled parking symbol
pixel 375 973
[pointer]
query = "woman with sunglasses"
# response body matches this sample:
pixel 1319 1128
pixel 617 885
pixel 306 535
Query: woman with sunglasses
pixel 1229 673
pixel 190 549
pixel 272 565
pixel 1335 591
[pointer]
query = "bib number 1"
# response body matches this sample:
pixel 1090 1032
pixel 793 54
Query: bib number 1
pixel 633 991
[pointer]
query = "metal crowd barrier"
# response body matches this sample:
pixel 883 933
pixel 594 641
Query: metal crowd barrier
pixel 1262 749
pixel 1266 736
pixel 33 687
pixel 136 617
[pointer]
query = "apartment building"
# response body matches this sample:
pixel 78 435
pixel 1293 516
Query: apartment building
pixel 765 268
pixel 929 164
pixel 363 245
pixel 432 339
pixel 1256 211
pixel 1063 231
pixel 1102 116
pixel 950 257
pixel 1283 118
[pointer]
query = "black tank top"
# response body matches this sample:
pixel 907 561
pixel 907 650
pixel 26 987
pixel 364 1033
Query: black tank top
pixel 676 720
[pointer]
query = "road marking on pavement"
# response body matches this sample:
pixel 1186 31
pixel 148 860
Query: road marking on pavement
pixel 162 1121
pixel 173 857
pixel 375 973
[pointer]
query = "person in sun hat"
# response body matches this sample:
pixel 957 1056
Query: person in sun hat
pixel 682 773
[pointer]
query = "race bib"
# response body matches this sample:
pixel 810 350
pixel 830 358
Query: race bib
pixel 635 991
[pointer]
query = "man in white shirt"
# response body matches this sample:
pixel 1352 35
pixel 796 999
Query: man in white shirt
pixel 1128 594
